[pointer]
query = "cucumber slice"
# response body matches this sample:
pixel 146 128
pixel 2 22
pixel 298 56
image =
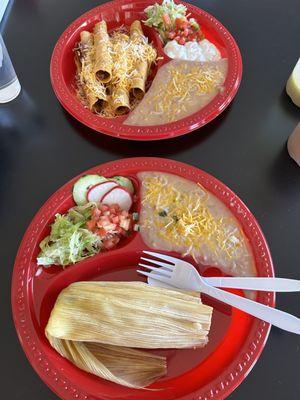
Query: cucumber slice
pixel 125 182
pixel 82 186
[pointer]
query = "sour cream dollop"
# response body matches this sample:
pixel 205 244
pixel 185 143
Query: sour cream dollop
pixel 193 51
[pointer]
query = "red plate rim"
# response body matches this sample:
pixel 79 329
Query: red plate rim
pixel 115 128
pixel 220 387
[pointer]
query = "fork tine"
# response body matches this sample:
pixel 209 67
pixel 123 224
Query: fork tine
pixel 172 260
pixel 155 276
pixel 159 270
pixel 161 264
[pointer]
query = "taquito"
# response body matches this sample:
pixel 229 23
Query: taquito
pixel 103 60
pixel 140 66
pixel 120 100
pixel 93 91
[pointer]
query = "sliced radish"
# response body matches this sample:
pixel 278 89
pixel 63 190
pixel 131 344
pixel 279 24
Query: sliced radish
pixel 96 192
pixel 119 196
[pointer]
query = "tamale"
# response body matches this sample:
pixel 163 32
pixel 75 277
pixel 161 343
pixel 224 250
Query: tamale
pixel 91 321
pixel 122 365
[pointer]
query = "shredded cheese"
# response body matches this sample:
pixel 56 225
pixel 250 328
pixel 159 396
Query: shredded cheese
pixel 179 89
pixel 126 52
pixel 185 219
pixel 86 78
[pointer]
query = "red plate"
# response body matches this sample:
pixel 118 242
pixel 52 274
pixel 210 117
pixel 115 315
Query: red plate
pixel 235 341
pixel 116 13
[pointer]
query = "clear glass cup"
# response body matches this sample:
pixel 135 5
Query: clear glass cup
pixel 9 83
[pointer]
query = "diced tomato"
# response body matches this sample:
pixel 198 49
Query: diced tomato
pixel 115 219
pixel 181 23
pixel 171 35
pixel 120 231
pixel 91 224
pixel 96 213
pixel 178 22
pixel 110 243
pixel 179 32
pixel 166 19
pixel 185 32
pixel 111 227
pixel 115 208
pixel 104 207
pixel 107 225
pixel 193 36
pixel 111 223
pixel 125 224
pixel 101 232
pixel 181 41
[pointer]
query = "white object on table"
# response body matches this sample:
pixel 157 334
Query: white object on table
pixel 180 274
pixel 3 5
pixel 9 84
pixel 293 85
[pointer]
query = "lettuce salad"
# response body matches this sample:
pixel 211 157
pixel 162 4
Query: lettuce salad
pixel 69 240
pixel 163 17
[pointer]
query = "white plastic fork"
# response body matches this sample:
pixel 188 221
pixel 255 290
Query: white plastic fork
pixel 245 283
pixel 180 274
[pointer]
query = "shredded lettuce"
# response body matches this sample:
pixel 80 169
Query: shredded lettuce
pixel 155 15
pixel 69 241
pixel 194 24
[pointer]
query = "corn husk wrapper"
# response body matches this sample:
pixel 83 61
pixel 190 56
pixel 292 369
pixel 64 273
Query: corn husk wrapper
pixel 122 365
pixel 91 322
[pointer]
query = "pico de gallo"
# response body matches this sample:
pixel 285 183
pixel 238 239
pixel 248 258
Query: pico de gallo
pixel 172 22
pixel 110 223
pixel 84 231
pixel 185 31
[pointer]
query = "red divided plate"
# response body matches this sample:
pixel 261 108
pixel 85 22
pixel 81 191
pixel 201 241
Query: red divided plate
pixel 235 340
pixel 116 13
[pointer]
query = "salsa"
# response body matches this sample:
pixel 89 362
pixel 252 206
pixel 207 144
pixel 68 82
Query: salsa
pixel 110 223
